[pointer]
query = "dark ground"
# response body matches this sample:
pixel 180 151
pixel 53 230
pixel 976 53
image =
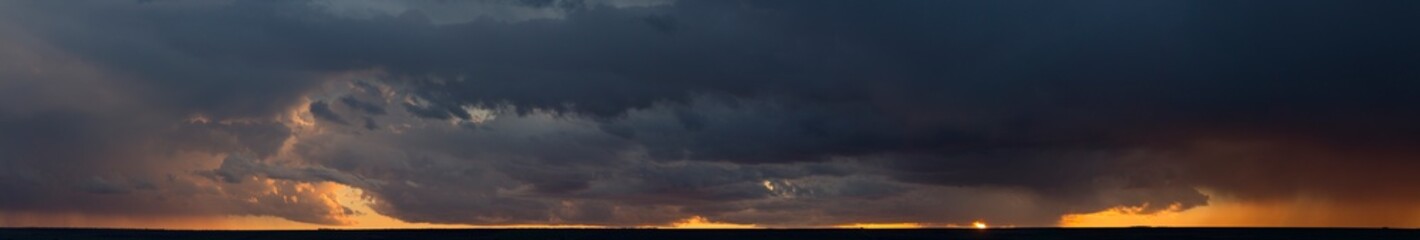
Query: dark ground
pixel 777 234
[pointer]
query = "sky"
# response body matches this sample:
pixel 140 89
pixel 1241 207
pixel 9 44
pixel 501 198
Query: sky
pixel 676 113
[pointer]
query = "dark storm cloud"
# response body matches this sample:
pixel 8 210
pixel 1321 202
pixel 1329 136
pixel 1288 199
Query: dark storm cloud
pixel 322 111
pixel 190 57
pixel 78 137
pixel 1051 97
pixel 629 112
pixel 1042 95
pixel 369 108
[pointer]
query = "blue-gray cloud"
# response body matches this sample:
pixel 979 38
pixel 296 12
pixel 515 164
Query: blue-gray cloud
pixel 645 112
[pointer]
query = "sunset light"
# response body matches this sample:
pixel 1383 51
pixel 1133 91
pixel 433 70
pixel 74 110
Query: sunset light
pixel 698 222
pixel 709 116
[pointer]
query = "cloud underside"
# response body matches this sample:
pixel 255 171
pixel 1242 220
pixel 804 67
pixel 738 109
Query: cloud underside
pixel 629 113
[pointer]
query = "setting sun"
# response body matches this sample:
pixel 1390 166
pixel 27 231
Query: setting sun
pixel 978 224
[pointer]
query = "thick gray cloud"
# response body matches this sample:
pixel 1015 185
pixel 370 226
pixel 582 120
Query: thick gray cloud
pixel 779 113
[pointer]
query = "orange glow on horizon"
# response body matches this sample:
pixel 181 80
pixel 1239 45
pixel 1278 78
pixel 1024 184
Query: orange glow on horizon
pixel 1223 211
pixel 881 225
pixel 698 222
pixel 978 224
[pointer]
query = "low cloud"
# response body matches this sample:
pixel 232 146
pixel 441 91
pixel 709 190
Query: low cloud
pixel 628 113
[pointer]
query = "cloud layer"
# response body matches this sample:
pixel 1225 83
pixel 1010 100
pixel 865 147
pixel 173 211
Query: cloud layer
pixel 782 113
